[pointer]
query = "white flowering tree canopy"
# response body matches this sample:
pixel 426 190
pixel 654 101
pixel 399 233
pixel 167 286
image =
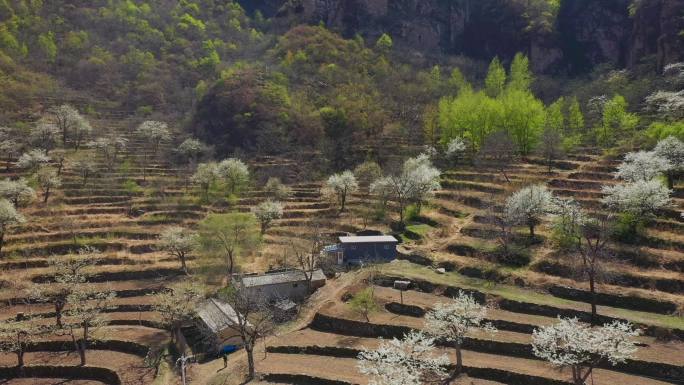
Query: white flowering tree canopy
pixel 640 198
pixel 381 187
pixel 9 215
pixel 570 343
pixel 344 182
pixel 529 205
pixel 32 160
pixel 454 319
pixel 17 191
pixel 642 166
pixel 455 148
pixel 205 174
pixel 423 175
pixel 339 186
pixel 410 361
pixel 266 212
pixel 667 104
pixel 177 240
pixel 44 135
pixel 47 178
pixel 191 148
pixel 154 132
pixel 671 149
pixel 234 172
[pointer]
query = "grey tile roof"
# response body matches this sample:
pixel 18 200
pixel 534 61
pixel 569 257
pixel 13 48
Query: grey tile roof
pixel 216 314
pixel 368 239
pixel 280 277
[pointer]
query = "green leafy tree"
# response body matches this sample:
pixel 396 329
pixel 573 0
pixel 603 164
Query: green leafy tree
pixel 496 79
pixel 521 77
pixel 364 303
pixel 228 237
pixel 575 117
pixel 555 120
pixel 524 117
pixel 384 44
pixel 616 120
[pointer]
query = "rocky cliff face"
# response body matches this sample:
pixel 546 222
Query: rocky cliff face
pixel 658 28
pixel 587 32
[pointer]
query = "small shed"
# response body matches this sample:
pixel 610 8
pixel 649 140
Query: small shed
pixel 279 285
pixel 217 318
pixel 357 250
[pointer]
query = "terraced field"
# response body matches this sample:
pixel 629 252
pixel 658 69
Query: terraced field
pixel 646 287
pixel 453 233
pixel 124 224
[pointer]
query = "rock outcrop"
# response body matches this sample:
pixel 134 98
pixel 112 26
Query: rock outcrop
pixel 585 33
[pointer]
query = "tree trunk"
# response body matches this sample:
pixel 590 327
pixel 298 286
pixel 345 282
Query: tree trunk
pixel 46 195
pixel 82 352
pixel 83 345
pixel 531 230
pixel 592 290
pixel 184 265
pixel 59 306
pixel 670 180
pixel 250 361
pixel 459 361
pixel 230 265
pixel 2 239
pixel 20 357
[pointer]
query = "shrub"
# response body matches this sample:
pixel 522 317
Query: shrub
pixel 628 228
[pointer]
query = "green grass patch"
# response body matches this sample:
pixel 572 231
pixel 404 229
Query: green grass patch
pixel 412 271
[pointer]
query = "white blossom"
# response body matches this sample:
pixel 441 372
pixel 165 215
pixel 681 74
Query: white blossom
pixel 178 242
pixel 340 186
pixel 410 361
pixel 671 149
pixel 639 198
pixel 32 160
pixel 642 166
pixel 110 148
pixel 667 104
pixel 18 192
pixel 154 132
pixel 8 217
pixel 266 212
pixel 205 175
pixel 235 173
pixel 529 205
pixel 277 189
pixel 423 177
pixel 418 180
pixel 44 135
pixel 455 148
pixel 191 148
pixel 454 319
pixel 47 181
pixel 570 343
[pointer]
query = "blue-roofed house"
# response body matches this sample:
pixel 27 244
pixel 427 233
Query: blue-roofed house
pixel 358 250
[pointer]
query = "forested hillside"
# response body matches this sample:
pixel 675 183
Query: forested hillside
pixel 266 85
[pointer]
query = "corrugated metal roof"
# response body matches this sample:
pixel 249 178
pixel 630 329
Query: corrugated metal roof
pixel 280 277
pixel 216 314
pixel 368 239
